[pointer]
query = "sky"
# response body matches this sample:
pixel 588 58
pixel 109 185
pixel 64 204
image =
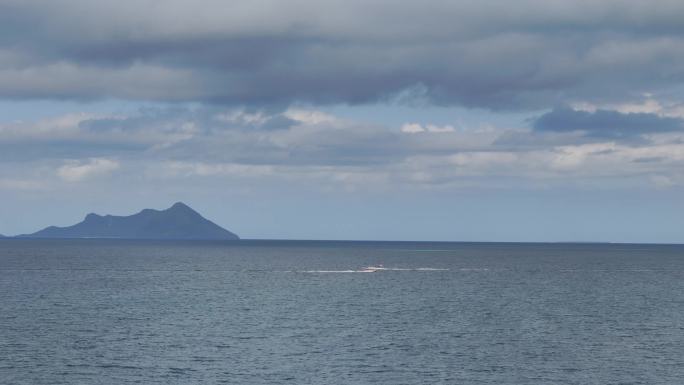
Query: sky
pixel 534 120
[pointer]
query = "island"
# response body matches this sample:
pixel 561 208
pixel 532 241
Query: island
pixel 179 222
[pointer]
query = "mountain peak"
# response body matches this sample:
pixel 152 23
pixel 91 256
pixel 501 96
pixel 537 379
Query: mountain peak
pixel 180 205
pixel 180 209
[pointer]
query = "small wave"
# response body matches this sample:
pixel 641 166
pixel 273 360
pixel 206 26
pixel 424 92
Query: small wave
pixel 375 270
pixel 329 271
pixel 410 269
pixel 177 371
pixel 118 366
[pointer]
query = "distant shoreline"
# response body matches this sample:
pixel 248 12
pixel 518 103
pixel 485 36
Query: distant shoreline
pixel 248 241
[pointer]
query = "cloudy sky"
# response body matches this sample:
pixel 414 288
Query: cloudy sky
pixel 534 120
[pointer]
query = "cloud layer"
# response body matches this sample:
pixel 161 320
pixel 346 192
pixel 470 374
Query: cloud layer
pixel 607 124
pixel 492 55
pixel 313 147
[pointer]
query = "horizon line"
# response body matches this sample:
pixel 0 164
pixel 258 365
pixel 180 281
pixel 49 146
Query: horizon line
pixel 247 240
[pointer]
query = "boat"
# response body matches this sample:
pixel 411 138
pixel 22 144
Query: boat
pixel 371 269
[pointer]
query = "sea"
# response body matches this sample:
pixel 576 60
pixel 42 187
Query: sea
pixel 308 312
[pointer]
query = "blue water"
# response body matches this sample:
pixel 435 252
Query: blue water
pixel 256 312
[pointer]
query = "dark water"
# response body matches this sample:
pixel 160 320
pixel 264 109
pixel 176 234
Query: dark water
pixel 118 312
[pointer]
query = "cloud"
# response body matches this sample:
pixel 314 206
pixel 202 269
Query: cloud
pixel 76 171
pixel 606 124
pixel 663 181
pixel 20 184
pixel 353 52
pixel 414 128
pixel 180 168
pixel 307 146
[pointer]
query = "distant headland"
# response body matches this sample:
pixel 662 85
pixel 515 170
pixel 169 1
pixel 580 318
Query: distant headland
pixel 178 222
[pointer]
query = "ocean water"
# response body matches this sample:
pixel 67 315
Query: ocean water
pixel 258 312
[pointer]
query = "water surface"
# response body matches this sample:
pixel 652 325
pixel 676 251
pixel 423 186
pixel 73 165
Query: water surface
pixel 259 312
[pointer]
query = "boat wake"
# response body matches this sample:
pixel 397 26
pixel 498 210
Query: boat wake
pixel 375 269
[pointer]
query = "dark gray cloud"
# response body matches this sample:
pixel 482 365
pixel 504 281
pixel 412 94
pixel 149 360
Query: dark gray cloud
pixel 606 123
pixel 498 55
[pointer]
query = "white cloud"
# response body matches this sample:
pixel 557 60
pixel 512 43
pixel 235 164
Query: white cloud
pixel 75 171
pixel 57 127
pixel 434 128
pixel 240 116
pixel 414 128
pixel 20 184
pixel 572 157
pixel 662 181
pixel 309 116
pixel 215 169
pixel 650 104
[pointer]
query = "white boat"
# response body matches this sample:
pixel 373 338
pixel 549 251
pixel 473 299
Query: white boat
pixel 371 269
